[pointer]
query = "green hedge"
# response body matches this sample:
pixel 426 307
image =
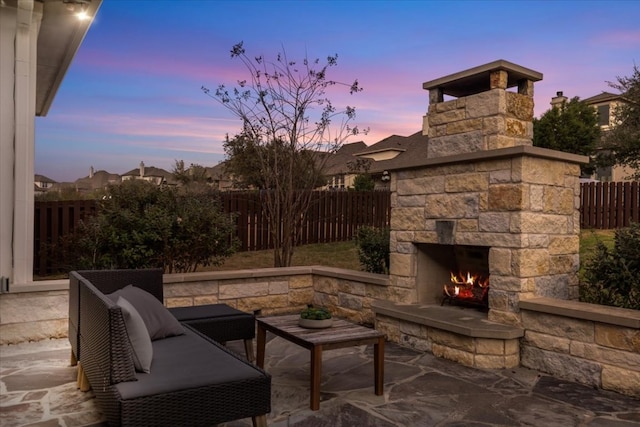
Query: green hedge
pixel 612 276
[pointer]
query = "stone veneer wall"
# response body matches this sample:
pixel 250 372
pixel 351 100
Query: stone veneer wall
pixel 34 316
pixel 524 206
pixel 273 291
pixel 591 344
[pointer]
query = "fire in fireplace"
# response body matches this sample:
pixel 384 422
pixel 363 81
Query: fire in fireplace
pixel 438 265
pixel 467 288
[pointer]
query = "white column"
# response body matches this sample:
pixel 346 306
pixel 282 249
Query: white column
pixel 8 24
pixel 29 15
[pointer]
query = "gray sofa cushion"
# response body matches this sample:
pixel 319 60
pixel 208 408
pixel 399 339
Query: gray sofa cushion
pixel 185 362
pixel 141 347
pixel 159 322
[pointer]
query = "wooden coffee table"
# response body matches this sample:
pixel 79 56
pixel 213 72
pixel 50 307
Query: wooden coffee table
pixel 341 334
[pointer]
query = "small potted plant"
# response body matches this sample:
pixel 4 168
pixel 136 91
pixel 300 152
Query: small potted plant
pixel 315 317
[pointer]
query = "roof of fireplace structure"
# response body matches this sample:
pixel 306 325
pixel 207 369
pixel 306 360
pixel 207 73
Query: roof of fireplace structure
pixel 477 79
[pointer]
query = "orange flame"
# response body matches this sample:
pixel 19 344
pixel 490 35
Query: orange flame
pixel 463 285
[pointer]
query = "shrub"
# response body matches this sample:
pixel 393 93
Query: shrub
pixel 373 249
pixel 363 182
pixel 141 225
pixel 612 276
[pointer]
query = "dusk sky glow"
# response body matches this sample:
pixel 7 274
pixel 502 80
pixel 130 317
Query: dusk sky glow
pixel 133 92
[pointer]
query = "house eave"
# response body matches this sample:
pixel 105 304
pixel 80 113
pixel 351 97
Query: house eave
pixel 59 38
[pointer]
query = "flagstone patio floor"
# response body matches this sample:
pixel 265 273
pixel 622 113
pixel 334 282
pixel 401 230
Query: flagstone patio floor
pixel 37 388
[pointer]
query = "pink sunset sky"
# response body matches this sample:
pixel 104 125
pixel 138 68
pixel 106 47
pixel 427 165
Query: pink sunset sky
pixel 133 92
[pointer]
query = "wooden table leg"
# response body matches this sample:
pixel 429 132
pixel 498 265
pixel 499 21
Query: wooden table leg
pixel 378 366
pixel 248 349
pixel 316 371
pixel 261 342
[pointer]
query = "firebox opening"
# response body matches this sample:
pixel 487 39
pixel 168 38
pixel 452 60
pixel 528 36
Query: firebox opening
pixel 436 263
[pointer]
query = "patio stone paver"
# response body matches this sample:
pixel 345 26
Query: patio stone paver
pixel 37 388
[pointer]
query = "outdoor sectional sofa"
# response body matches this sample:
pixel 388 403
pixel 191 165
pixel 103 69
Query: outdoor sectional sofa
pixel 183 377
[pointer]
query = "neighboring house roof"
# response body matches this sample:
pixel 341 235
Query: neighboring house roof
pixel 603 97
pixel 390 143
pixel 352 148
pixel 218 171
pixel 100 179
pixel 152 172
pixel 339 161
pixel 148 171
pixel 42 178
pixel 415 150
pixel 409 148
pixel 42 184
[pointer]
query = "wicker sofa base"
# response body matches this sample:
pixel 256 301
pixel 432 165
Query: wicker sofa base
pixel 220 322
pixel 194 380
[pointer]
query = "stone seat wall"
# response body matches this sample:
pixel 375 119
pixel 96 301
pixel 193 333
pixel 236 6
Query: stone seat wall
pixel 588 343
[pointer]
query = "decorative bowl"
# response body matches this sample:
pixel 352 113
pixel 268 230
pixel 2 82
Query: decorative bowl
pixel 315 324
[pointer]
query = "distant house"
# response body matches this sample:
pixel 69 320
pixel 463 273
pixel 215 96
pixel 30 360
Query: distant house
pixel 151 174
pixel 99 180
pixel 392 151
pixel 347 162
pixel 605 104
pixel 220 179
pixel 396 152
pixel 42 184
pixel 338 172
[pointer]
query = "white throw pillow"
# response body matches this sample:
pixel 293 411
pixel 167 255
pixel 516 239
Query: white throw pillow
pixel 138 336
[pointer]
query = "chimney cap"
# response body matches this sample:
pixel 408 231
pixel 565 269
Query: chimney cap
pixel 477 79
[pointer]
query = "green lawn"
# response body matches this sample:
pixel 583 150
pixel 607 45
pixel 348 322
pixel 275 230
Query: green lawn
pixel 345 254
pixel 340 255
pixel 589 239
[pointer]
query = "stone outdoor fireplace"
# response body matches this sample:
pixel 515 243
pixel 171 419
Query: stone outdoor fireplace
pixel 483 199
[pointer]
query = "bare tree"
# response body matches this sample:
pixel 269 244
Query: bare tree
pixel 287 118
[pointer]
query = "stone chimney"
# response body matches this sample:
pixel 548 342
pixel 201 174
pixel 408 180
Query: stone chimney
pixel 482 115
pixel 558 100
pixel 141 169
pixel 91 172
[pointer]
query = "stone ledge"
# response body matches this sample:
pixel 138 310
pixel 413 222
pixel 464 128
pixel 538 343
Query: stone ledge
pixel 464 321
pixel 489 155
pixel 315 270
pixel 585 311
pixel 40 286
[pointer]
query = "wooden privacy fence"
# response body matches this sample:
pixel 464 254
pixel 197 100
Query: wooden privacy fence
pixel 333 216
pixel 606 205
pixel 52 221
